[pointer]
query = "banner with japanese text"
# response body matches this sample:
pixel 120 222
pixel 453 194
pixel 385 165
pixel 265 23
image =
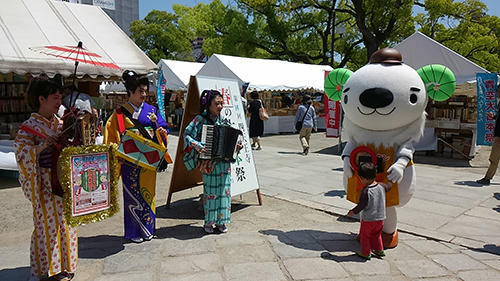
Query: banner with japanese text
pixel 160 94
pixel 332 115
pixel 243 173
pixel 486 107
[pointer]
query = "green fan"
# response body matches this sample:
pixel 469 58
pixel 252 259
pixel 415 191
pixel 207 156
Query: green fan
pixel 334 83
pixel 439 81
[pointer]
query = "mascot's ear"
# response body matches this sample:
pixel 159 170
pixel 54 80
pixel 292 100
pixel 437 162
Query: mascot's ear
pixel 334 83
pixel 439 81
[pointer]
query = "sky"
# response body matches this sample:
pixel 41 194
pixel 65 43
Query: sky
pixel 145 6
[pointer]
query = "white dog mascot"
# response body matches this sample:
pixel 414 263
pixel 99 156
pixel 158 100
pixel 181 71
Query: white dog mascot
pixel 384 104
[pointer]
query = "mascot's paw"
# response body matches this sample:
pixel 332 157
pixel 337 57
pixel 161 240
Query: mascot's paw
pixel 390 240
pixel 347 167
pixel 395 172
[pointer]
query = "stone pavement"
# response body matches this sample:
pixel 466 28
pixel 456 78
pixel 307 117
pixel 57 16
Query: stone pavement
pixel 282 240
pixel 447 205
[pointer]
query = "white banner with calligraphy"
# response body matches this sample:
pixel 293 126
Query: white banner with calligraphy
pixel 243 173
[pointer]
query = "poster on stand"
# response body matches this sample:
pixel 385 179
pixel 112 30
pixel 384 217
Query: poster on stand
pixel 89 177
pixel 486 107
pixel 243 172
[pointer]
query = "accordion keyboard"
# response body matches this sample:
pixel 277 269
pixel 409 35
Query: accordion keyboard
pixel 207 137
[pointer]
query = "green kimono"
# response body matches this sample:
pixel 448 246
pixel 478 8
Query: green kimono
pixel 216 181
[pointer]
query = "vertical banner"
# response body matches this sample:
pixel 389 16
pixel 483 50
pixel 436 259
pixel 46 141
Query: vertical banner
pixel 332 115
pixel 243 173
pixel 486 107
pixel 160 94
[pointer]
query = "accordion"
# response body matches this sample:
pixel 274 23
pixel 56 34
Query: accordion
pixel 220 142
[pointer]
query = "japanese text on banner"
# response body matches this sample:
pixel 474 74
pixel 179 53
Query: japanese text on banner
pixel 486 107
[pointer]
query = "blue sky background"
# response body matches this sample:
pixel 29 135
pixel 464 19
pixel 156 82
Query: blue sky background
pixel 145 6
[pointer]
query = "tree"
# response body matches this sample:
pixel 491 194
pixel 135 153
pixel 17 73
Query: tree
pixel 465 28
pixel 160 36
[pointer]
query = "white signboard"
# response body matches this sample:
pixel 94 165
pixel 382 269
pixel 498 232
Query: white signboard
pixel 105 4
pixel 243 173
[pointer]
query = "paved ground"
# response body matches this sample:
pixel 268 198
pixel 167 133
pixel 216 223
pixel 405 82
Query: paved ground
pixel 294 235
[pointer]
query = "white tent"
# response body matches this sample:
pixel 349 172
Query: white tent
pixel 26 24
pixel 266 74
pixel 419 50
pixel 177 73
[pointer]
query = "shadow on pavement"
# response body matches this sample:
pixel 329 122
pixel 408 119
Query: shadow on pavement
pixel 349 258
pixel 98 247
pixel 440 161
pixel 290 152
pixel 18 273
pixel 490 248
pixel 333 150
pixel 181 232
pixel 469 183
pixel 496 195
pixel 190 208
pixel 335 193
pixel 316 240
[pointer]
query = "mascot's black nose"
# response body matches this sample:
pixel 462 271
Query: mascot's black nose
pixel 376 97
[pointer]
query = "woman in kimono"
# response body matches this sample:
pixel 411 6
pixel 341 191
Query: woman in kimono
pixel 54 244
pixel 216 174
pixel 139 184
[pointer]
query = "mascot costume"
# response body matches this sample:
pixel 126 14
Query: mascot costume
pixel 384 104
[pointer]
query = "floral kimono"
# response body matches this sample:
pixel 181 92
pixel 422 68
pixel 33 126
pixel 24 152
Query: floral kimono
pixel 216 176
pixel 54 244
pixel 139 184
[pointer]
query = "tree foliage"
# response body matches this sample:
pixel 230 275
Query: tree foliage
pixel 161 37
pixel 301 30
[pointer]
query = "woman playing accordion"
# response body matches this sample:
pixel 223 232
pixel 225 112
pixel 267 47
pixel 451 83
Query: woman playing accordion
pixel 216 174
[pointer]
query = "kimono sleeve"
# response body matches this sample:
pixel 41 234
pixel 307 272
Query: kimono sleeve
pixel 111 131
pixel 192 131
pixel 27 161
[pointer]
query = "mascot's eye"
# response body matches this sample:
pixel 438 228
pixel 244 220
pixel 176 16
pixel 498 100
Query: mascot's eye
pixel 345 99
pixel 346 90
pixel 413 98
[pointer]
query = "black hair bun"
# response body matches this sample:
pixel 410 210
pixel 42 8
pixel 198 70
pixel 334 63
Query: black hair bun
pixel 128 74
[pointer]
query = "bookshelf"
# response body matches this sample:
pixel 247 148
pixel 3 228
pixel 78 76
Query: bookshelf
pixel 454 122
pixel 14 108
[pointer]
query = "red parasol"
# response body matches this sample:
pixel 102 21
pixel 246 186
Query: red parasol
pixel 76 53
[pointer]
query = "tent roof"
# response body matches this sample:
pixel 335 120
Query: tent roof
pixel 266 74
pixel 419 50
pixel 178 73
pixel 26 24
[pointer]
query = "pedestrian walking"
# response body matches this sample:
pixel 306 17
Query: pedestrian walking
pixel 495 149
pixel 216 173
pixel 305 122
pixel 371 205
pixel 256 123
pixel 139 184
pixel 54 244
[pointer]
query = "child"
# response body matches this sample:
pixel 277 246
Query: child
pixel 372 207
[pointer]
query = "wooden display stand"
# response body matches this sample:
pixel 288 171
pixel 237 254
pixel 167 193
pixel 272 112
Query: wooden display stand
pixel 182 178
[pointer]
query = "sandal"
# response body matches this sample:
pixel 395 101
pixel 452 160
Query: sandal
pixel 222 228
pixel 367 257
pixel 209 229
